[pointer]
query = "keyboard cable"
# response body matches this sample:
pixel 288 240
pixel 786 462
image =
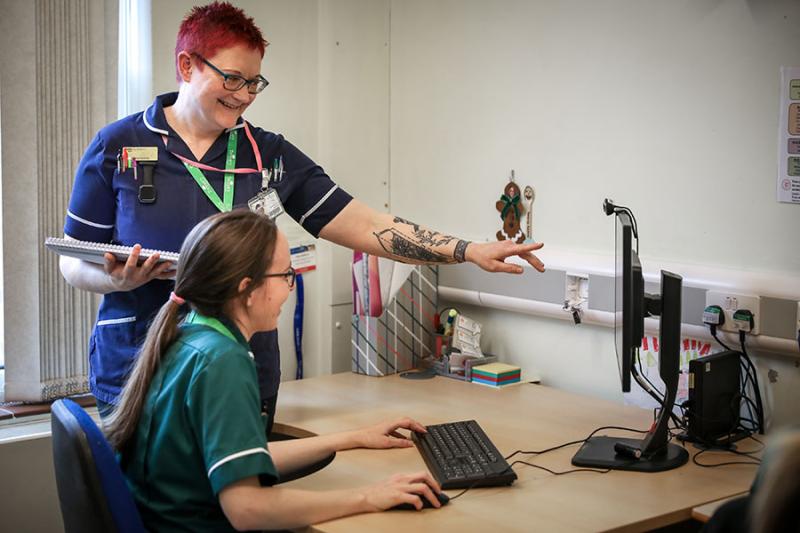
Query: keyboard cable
pixel 540 452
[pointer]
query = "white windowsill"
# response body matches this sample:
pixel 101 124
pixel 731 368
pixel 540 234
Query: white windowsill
pixel 32 427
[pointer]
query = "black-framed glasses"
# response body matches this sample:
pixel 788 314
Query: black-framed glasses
pixel 290 275
pixel 234 82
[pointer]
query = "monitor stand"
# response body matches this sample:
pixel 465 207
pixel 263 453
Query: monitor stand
pixel 655 450
pixel 599 452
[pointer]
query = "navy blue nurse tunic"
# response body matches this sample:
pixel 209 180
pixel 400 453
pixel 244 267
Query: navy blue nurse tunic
pixel 104 207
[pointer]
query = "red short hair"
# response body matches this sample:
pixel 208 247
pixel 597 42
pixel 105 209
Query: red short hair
pixel 207 29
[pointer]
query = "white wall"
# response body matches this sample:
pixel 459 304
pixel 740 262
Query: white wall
pixel 668 107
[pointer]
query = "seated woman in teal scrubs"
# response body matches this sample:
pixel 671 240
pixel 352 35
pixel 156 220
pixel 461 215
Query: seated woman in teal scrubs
pixel 189 426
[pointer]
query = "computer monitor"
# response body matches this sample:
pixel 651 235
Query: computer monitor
pixel 653 453
pixel 628 299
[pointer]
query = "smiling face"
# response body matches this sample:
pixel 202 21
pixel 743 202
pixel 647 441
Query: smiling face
pixel 264 303
pixel 215 107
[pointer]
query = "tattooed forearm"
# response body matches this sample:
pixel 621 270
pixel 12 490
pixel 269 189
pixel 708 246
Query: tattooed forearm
pixel 400 247
pixel 398 220
pixel 426 237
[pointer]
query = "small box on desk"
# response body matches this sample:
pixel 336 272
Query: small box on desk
pixel 496 374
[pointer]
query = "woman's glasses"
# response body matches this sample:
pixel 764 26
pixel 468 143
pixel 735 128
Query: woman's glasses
pixel 290 276
pixel 234 82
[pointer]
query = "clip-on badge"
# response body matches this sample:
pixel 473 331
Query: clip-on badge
pixel 266 202
pixel 146 157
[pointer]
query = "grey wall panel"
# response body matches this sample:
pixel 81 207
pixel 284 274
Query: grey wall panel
pixel 601 293
pixel 777 320
pixel 778 317
pixel 533 285
pixel 694 301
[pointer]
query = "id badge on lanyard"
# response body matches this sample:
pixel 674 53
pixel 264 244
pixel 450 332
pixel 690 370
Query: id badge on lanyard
pixel 266 202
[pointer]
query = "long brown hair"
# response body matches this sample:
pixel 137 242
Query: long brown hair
pixel 215 257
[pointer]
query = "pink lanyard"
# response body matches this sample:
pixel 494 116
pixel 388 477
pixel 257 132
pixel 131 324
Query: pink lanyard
pixel 197 164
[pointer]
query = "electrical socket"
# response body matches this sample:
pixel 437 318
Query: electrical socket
pixel 576 291
pixel 730 303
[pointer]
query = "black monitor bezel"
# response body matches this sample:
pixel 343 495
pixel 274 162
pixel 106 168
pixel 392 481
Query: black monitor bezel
pixel 628 299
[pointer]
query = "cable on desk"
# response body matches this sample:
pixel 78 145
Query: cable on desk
pixel 581 441
pixel 606 471
pixel 539 452
pixel 730 450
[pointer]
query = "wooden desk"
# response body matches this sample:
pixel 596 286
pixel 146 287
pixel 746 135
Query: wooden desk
pixel 531 417
pixel 703 513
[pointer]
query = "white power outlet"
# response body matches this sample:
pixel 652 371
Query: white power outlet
pixel 576 291
pixel 730 303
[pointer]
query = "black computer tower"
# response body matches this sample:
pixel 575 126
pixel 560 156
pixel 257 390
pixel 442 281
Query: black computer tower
pixel 714 397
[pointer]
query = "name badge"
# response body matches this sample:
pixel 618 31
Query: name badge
pixel 267 202
pixel 129 154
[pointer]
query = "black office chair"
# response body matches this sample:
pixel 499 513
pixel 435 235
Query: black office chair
pixel 92 492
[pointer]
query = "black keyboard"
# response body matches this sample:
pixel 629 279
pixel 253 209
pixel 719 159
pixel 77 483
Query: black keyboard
pixel 460 455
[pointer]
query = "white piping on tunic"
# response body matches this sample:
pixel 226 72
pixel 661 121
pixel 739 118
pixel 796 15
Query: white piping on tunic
pixel 316 206
pixel 110 321
pixel 88 222
pixel 236 455
pixel 149 126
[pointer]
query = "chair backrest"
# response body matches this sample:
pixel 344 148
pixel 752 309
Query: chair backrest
pixel 91 488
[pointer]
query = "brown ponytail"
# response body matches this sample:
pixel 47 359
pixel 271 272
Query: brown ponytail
pixel 217 254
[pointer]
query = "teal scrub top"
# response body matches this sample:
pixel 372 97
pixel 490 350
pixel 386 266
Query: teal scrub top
pixel 201 429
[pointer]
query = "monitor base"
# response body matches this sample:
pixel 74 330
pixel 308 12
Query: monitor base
pixel 598 452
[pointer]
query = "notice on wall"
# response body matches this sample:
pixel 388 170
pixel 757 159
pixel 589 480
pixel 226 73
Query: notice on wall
pixel 302 245
pixel 304 258
pixel 789 137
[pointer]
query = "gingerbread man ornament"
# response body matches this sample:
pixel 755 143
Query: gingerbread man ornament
pixel 511 210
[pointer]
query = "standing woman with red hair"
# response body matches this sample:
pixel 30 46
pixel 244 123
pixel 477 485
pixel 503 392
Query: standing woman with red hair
pixel 147 179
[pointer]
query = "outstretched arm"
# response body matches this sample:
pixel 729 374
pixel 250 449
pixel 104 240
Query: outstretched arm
pixel 360 227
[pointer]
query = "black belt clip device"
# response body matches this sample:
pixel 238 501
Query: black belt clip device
pixel 147 190
pixel 140 156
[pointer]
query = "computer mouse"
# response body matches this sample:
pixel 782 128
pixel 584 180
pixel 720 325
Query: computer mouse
pixel 444 499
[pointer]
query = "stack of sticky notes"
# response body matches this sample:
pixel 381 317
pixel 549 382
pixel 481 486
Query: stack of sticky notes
pixel 496 374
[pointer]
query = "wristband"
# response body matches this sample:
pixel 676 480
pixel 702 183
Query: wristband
pixel 460 253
